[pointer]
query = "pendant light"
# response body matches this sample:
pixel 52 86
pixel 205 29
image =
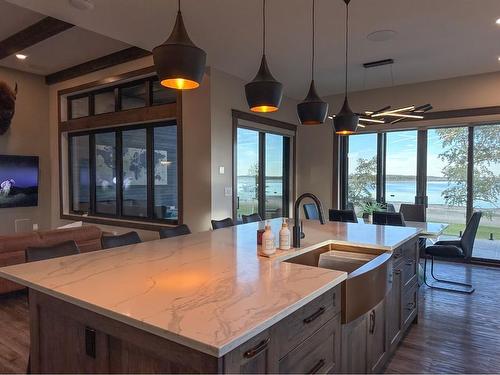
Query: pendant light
pixel 312 110
pixel 346 121
pixel 178 62
pixel 264 93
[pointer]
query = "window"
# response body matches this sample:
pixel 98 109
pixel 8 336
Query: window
pixel 362 170
pixel 132 172
pixel 401 167
pixel 104 102
pixel 80 173
pixel 131 95
pixel 262 182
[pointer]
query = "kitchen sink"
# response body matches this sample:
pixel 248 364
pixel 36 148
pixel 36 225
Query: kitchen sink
pixel 369 275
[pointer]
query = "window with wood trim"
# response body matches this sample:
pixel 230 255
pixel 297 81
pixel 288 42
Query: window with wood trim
pixel 140 93
pixel 128 172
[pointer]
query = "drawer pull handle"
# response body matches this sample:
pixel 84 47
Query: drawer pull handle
pixel 397 272
pixel 317 367
pixel 90 345
pixel 410 305
pixel 372 321
pixel 314 316
pixel 397 255
pixel 409 262
pixel 260 347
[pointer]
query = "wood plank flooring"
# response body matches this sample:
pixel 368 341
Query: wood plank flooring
pixel 455 334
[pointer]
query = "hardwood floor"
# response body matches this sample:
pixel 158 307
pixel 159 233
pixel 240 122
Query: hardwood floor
pixel 14 333
pixel 456 333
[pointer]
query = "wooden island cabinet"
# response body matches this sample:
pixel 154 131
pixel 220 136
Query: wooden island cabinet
pixel 208 303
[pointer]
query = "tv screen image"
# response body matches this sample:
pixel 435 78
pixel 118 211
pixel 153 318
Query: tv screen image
pixel 18 181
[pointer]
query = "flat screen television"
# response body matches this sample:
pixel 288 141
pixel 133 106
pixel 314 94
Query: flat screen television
pixel 18 181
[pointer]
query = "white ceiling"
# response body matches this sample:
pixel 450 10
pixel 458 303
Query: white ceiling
pixel 435 39
pixel 69 48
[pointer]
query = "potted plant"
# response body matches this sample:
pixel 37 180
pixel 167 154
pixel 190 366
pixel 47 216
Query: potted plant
pixel 369 208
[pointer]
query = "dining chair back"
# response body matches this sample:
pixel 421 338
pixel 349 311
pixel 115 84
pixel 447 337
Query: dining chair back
pixel 388 218
pixel 129 238
pixel 311 212
pixel 179 230
pixel 252 218
pixel 345 216
pixel 413 212
pixel 224 223
pixel 36 253
pixel 469 234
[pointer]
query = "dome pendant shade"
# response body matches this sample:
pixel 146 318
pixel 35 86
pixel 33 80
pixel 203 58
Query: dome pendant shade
pixel 312 110
pixel 179 63
pixel 264 93
pixel 346 121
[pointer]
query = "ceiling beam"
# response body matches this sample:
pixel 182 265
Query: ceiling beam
pixel 120 57
pixel 32 35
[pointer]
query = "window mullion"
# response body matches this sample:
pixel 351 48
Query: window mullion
pixel 92 170
pixel 119 172
pixel 262 174
pixel 470 173
pixel 381 170
pixel 150 171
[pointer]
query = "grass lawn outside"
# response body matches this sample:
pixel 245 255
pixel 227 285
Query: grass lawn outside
pixel 483 232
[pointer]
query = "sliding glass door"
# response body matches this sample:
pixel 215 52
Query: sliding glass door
pixel 486 190
pixel 447 150
pixel 362 171
pixel 401 168
pixel 262 173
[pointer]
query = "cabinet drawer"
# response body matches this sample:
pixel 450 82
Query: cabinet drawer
pixel 301 324
pixel 409 304
pixel 408 269
pixel 316 355
pixel 253 357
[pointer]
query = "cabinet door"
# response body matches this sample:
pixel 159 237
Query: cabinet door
pixel 353 348
pixel 66 345
pixel 257 356
pixel 376 338
pixel 393 308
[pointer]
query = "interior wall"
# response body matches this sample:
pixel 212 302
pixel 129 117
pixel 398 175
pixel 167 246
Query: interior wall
pixel 315 146
pixel 226 93
pixel 28 135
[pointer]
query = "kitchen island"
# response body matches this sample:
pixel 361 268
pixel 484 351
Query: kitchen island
pixel 205 302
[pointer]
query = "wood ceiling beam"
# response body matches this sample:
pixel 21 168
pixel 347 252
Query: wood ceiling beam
pixel 120 57
pixel 32 35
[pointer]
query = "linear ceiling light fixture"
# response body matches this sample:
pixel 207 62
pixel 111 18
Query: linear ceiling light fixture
pixel 264 92
pixel 179 63
pixel 346 121
pixel 312 110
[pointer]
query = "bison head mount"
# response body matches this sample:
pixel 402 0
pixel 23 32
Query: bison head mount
pixel 7 106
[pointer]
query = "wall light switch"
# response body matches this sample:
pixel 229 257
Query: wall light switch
pixel 228 191
pixel 221 170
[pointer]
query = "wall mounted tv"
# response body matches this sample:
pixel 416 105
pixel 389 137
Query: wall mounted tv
pixel 18 181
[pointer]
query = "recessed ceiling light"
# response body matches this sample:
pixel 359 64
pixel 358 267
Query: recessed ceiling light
pixel 82 4
pixel 498 21
pixel 20 56
pixel 381 35
pixel 498 58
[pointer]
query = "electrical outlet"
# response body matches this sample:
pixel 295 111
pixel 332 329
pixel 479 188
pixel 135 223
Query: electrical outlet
pixel 221 170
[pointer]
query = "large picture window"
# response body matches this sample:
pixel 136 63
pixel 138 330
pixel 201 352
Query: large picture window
pixel 126 172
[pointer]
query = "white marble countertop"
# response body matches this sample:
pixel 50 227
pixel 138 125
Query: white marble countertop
pixel 209 291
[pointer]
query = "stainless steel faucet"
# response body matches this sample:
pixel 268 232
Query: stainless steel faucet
pixel 297 229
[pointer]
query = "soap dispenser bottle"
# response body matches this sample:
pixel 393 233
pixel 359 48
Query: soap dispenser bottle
pixel 285 236
pixel 268 246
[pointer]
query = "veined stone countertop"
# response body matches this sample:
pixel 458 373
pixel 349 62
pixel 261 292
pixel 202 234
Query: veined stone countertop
pixel 209 291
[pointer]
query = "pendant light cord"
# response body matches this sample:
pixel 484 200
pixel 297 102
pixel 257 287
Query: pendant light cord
pixel 346 43
pixel 313 48
pixel 179 5
pixel 263 27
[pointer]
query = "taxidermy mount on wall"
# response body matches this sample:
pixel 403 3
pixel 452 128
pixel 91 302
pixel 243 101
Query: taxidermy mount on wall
pixel 7 106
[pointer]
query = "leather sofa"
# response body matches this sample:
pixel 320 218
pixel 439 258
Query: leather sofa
pixel 12 247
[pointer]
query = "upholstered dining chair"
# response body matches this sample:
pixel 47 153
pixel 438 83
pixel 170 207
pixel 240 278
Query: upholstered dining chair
pixel 179 230
pixel 252 218
pixel 129 238
pixel 454 249
pixel 224 223
pixel 36 253
pixel 345 216
pixel 388 218
pixel 413 212
pixel 310 211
